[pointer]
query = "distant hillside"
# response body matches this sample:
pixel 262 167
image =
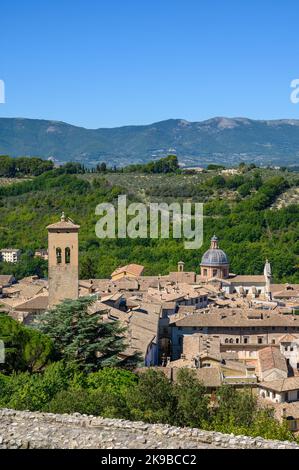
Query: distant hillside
pixel 217 140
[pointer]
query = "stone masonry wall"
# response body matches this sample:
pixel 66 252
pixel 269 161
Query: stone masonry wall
pixel 26 430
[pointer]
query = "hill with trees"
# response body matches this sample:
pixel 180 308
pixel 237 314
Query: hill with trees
pixel 238 208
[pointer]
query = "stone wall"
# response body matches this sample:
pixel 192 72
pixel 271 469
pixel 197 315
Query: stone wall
pixel 22 429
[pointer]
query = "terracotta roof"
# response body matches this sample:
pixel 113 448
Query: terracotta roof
pixel 39 302
pixel 287 291
pixel 236 317
pixel 26 291
pixel 209 376
pixel 135 269
pixel 6 279
pixel 63 224
pixel 282 385
pixel 288 338
pixel 247 279
pixel 271 358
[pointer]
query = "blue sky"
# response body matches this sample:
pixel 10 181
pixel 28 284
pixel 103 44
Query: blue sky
pixel 98 63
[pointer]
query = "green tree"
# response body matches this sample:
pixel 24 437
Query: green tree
pixel 192 400
pixel 82 337
pixel 25 349
pixel 153 399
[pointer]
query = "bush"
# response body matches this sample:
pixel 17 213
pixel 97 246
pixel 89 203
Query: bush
pixel 192 400
pixel 152 399
pixel 25 348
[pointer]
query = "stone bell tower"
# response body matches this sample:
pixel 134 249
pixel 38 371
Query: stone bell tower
pixel 63 261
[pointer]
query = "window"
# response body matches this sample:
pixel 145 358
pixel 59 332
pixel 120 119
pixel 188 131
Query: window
pixel 260 340
pixel 237 340
pixel 58 255
pixel 245 340
pixel 205 272
pixel 67 255
pixel 215 272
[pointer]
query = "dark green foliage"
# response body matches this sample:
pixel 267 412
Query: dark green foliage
pixel 83 338
pixel 104 394
pixel 153 399
pixel 25 349
pixel 248 230
pixel 117 380
pixel 25 391
pixel 61 388
pixel 192 400
pixel 27 266
pixel 213 166
pixel 22 166
pixel 234 407
pixel 237 412
pixel 77 401
pixel 164 165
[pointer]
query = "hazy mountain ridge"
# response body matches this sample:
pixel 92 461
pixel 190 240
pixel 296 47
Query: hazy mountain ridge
pixel 220 139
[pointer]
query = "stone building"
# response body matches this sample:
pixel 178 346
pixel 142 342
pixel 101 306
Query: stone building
pixel 241 330
pixel 63 261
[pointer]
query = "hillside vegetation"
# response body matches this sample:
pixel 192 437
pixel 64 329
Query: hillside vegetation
pixel 238 208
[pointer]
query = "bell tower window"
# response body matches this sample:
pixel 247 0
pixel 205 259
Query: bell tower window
pixel 67 255
pixel 58 256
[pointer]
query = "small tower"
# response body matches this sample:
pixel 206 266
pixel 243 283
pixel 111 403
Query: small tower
pixel 181 266
pixel 63 261
pixel 268 279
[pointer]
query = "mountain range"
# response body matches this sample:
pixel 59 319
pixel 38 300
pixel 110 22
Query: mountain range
pixel 218 140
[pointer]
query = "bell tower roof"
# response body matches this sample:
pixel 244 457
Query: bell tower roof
pixel 65 223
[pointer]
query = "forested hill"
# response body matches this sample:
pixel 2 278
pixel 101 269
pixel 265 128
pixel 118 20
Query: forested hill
pixel 218 140
pixel 238 208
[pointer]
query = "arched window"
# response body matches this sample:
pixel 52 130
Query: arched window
pixel 67 255
pixel 58 256
pixel 231 340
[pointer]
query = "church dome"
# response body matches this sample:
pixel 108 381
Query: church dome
pixel 214 257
